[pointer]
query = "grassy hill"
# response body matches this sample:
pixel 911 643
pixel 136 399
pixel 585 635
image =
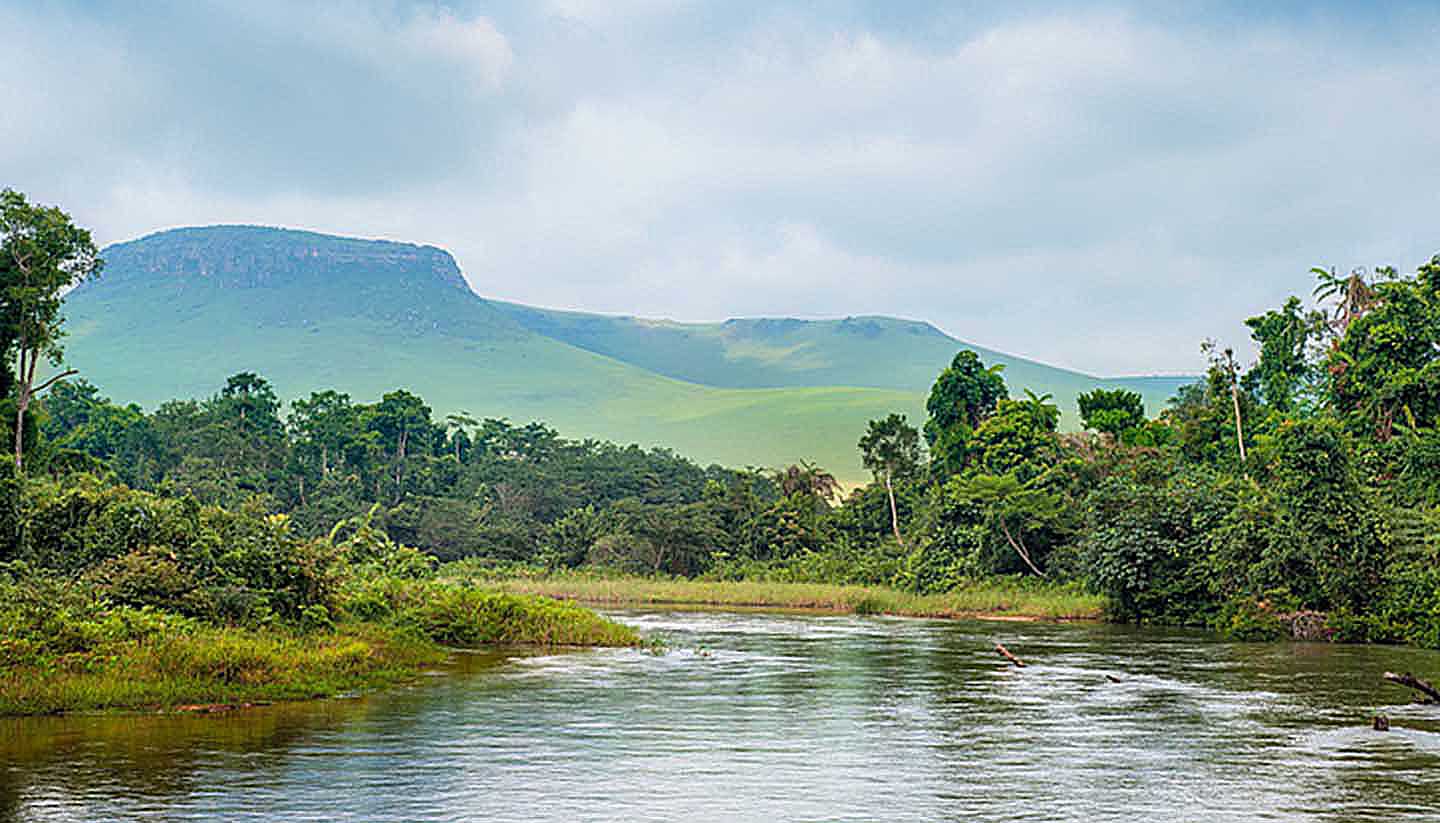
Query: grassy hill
pixel 873 352
pixel 177 312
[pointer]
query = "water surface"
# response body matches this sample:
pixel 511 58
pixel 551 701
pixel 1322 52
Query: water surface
pixel 767 717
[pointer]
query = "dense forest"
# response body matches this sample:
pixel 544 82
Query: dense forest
pixel 1299 495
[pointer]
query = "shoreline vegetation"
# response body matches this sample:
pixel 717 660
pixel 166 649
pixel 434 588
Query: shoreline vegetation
pixel 985 600
pixel 124 659
pixel 234 610
pixel 241 547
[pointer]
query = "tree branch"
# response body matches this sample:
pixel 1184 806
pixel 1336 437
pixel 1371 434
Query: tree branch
pixel 1408 679
pixel 56 379
pixel 1019 548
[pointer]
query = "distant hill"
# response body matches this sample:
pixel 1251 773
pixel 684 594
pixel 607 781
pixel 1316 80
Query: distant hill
pixel 177 312
pixel 872 352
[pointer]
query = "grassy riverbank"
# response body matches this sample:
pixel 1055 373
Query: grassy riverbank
pixel 57 658
pixel 1000 599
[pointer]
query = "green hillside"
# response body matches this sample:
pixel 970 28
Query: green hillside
pixel 873 352
pixel 177 312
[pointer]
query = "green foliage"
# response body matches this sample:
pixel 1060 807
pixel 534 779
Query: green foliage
pixel 1018 439
pixel 1112 411
pixel 890 449
pixel 964 394
pixel 1285 371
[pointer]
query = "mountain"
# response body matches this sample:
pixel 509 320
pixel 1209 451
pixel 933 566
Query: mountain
pixel 874 352
pixel 177 312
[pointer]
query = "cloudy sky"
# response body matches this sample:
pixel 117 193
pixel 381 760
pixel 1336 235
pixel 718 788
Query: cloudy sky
pixel 1099 186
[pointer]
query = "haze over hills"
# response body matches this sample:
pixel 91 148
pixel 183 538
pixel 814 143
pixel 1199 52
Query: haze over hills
pixel 176 312
pixel 876 352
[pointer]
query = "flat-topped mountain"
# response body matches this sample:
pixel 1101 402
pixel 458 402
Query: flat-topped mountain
pixel 176 312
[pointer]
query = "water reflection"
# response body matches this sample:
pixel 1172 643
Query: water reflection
pixel 786 717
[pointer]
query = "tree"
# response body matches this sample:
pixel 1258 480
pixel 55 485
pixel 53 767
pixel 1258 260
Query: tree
pixel 323 425
pixel 459 424
pixel 44 253
pixel 1386 366
pixel 1019 439
pixel 250 403
pixel 890 449
pixel 808 480
pixel 1112 411
pixel 1224 363
pixel 964 394
pixel 1284 338
pixel 1353 295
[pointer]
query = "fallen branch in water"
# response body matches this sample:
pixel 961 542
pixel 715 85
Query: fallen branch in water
pixel 1012 658
pixel 1408 679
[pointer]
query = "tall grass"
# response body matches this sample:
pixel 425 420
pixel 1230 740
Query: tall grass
pixel 68 652
pixel 1004 598
pixel 212 665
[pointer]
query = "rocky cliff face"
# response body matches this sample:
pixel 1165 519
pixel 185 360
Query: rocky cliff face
pixel 259 257
pixel 259 278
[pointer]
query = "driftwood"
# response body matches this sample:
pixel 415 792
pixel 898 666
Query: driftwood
pixel 1008 656
pixel 1407 679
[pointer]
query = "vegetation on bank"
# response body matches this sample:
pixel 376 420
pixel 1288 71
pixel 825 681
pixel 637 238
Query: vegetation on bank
pixel 1006 598
pixel 1298 495
pixel 140 601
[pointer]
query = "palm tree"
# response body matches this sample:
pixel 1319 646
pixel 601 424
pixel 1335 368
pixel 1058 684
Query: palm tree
pixel 807 478
pixel 1041 409
pixel 1353 295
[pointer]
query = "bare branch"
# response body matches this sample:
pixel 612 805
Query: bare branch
pixel 56 379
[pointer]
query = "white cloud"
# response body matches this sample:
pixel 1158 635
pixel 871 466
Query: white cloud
pixel 475 45
pixel 1098 189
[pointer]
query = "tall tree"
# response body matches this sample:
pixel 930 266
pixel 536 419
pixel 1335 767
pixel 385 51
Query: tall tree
pixel 1284 369
pixel 1112 411
pixel 44 254
pixel 1223 362
pixel 964 394
pixel 890 449
pixel 460 425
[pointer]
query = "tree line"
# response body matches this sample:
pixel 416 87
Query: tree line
pixel 1307 482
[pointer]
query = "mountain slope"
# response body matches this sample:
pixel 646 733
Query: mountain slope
pixel 873 352
pixel 177 312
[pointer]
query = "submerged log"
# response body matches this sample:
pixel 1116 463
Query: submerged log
pixel 1407 679
pixel 1008 656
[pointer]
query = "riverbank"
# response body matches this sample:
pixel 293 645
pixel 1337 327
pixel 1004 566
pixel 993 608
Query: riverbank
pixel 143 659
pixel 998 599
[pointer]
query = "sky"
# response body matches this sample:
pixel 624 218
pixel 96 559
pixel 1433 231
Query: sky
pixel 1095 185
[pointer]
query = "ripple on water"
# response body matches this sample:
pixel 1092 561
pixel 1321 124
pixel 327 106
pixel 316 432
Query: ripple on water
pixel 785 717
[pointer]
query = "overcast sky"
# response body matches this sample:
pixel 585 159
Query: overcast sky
pixel 1096 186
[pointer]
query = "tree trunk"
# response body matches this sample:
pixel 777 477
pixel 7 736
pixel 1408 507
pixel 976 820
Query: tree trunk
pixel 1235 399
pixel 1408 679
pixel 1019 548
pixel 894 514
pixel 22 402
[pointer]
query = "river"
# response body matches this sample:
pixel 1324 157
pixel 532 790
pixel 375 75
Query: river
pixel 785 717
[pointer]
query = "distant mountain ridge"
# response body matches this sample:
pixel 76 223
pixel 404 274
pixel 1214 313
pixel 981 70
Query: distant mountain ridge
pixel 178 311
pixel 862 351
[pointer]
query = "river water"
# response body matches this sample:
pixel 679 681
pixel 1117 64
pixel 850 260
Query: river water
pixel 779 717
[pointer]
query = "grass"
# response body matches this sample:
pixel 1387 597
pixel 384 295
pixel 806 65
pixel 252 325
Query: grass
pixel 986 599
pixel 213 666
pixel 119 658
